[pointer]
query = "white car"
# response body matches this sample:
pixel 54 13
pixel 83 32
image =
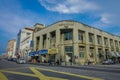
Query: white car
pixel 109 61
pixel 21 61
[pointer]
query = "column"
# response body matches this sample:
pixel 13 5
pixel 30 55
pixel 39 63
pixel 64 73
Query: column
pixel 114 45
pixel 103 47
pixel 109 45
pixel 58 44
pixel 75 46
pixel 34 39
pixel 96 49
pixel 87 47
pixel 62 50
pixel 57 37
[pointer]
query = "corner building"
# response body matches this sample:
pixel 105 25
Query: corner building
pixel 73 42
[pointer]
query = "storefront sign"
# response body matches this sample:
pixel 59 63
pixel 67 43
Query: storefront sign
pixel 53 51
pixel 43 51
pixel 31 54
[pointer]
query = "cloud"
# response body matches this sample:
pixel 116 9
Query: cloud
pixel 69 6
pixel 105 18
pixel 108 13
pixel 80 7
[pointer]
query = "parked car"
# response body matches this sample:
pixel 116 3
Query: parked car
pixel 9 59
pixel 14 59
pixel 109 61
pixel 21 61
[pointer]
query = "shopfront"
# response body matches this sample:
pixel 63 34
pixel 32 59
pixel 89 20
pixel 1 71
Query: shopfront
pixel 34 56
pixel 43 55
pixel 52 55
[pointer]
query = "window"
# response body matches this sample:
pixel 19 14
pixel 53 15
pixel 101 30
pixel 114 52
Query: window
pixel 44 40
pixel 28 33
pixel 80 35
pixel 91 37
pixel 119 43
pixel 81 54
pixel 111 42
pixel 106 41
pixel 37 42
pixel 116 43
pixel 99 39
pixel 68 36
pixel 68 49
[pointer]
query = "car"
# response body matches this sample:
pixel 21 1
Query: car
pixel 109 61
pixel 21 61
pixel 9 59
pixel 14 59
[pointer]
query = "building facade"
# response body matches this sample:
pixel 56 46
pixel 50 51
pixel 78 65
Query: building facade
pixel 73 42
pixel 11 48
pixel 24 38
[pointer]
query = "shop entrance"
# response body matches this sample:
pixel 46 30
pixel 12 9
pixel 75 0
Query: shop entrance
pixel 43 58
pixel 106 54
pixel 52 57
pixel 68 58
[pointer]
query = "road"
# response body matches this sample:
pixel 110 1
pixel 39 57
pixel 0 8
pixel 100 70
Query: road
pixel 12 71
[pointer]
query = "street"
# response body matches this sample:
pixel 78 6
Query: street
pixel 12 71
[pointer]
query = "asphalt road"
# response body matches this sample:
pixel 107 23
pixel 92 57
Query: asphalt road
pixel 12 71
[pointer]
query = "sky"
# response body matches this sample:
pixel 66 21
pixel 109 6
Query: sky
pixel 17 14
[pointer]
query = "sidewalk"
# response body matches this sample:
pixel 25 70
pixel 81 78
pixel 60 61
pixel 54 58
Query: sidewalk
pixel 108 66
pixel 114 66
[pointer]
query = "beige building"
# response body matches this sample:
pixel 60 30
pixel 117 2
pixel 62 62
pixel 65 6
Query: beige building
pixel 11 48
pixel 74 42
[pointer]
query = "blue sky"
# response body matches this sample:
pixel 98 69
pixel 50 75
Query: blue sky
pixel 16 14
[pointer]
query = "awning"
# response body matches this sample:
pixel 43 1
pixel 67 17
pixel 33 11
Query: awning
pixel 31 54
pixel 113 54
pixel 36 53
pixel 45 51
pixel 117 54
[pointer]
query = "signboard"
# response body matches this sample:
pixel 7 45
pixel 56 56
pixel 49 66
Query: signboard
pixel 31 43
pixel 45 51
pixel 53 51
pixel 31 54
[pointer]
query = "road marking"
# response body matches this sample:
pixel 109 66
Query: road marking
pixel 2 76
pixel 19 73
pixel 36 74
pixel 71 74
pixel 43 77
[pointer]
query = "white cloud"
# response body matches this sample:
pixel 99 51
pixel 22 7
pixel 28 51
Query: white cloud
pixel 69 6
pixel 105 18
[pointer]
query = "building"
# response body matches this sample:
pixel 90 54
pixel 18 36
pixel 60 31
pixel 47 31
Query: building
pixel 34 56
pixel 73 42
pixel 11 48
pixel 24 38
